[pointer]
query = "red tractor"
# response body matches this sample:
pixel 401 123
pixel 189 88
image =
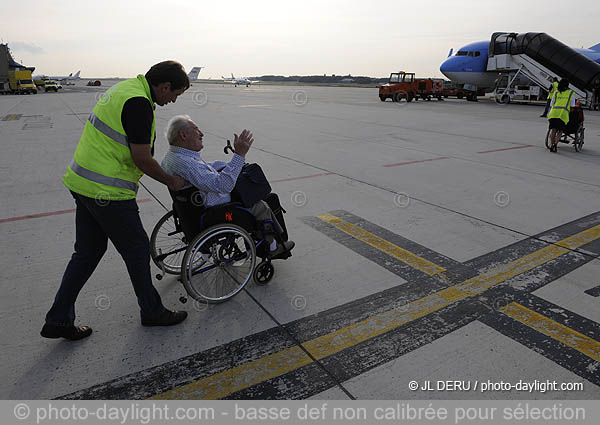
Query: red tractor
pixel 404 85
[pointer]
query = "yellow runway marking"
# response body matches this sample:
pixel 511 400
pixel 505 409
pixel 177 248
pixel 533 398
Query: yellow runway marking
pixel 381 244
pixel 555 330
pixel 253 372
pixel 240 377
pixel 478 284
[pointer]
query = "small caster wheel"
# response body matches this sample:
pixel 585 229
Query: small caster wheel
pixel 183 300
pixel 159 277
pixel 263 273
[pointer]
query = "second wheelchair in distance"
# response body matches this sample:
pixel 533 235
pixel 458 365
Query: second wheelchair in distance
pixel 574 131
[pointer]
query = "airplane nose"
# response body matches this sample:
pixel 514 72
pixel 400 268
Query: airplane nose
pixel 446 65
pixel 451 65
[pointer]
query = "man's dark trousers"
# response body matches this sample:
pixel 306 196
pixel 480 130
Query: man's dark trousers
pixel 547 108
pixel 96 221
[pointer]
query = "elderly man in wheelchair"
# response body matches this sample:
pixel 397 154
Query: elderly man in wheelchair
pixel 210 241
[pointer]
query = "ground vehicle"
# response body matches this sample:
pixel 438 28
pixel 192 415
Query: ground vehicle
pixel 404 85
pixel 94 83
pixel 510 88
pixel 50 85
pixel 213 249
pixel 522 93
pixel 451 89
pixel 574 132
pixel 21 82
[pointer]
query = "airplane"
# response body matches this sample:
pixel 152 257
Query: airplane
pixel 61 78
pixel 237 81
pixel 194 73
pixel 468 66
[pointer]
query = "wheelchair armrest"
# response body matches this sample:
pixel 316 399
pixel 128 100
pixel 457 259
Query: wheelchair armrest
pixel 226 205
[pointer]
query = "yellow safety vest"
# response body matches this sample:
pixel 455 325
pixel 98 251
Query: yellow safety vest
pixel 561 105
pixel 552 90
pixel 102 166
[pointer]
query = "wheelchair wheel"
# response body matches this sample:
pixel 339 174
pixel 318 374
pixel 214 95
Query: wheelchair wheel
pixel 579 135
pixel 218 263
pixel 167 239
pixel 264 273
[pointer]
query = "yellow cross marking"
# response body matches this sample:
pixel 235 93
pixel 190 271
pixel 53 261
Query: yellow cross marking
pixel 253 372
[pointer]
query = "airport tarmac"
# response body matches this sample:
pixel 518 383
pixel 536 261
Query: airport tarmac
pixel 435 241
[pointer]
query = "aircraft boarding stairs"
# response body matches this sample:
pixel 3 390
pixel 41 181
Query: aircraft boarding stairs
pixel 540 57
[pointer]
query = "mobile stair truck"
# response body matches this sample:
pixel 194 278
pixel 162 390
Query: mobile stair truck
pixel 539 57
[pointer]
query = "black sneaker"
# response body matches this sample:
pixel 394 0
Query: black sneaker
pixel 72 333
pixel 166 318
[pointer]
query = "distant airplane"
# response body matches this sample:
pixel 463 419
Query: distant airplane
pixel 237 81
pixel 469 64
pixel 66 79
pixel 194 73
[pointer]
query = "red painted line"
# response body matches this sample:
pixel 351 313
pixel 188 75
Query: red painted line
pixel 507 149
pixel 46 214
pixel 415 162
pixel 303 177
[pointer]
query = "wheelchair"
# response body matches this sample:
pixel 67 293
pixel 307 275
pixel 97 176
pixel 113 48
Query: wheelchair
pixel 574 131
pixel 214 250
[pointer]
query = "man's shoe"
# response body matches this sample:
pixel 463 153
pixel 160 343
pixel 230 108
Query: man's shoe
pixel 281 249
pixel 166 318
pixel 542 116
pixel 72 333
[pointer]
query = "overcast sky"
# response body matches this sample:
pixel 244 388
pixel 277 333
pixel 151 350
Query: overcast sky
pixel 251 38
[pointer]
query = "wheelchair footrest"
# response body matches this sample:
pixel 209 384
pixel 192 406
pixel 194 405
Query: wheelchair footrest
pixel 283 256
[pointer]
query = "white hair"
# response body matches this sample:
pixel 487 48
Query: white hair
pixel 175 125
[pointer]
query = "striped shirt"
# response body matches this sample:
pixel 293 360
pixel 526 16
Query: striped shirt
pixel 215 180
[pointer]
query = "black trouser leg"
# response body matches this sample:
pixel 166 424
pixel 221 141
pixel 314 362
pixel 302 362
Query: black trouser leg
pixel 90 246
pixel 547 108
pixel 120 222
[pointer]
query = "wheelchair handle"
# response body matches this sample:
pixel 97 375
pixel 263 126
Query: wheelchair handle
pixel 228 147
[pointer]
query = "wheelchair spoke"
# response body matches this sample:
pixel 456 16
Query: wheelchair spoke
pixel 233 277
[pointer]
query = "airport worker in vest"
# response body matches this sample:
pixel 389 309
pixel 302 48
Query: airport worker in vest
pixel 562 102
pixel 115 149
pixel 551 91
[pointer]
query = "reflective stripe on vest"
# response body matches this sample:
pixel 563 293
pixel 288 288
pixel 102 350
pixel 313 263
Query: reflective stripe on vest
pixel 99 178
pixel 566 108
pixel 105 129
